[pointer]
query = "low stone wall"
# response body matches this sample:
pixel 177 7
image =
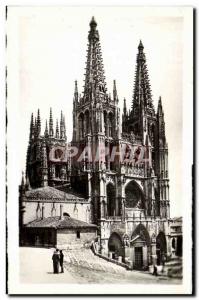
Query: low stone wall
pixel 116 262
pixel 67 239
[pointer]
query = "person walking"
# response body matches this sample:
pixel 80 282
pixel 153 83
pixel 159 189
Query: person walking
pixel 61 260
pixel 56 260
pixel 163 262
pixel 155 270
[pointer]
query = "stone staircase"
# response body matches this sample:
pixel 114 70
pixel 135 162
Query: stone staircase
pixel 173 268
pixel 86 259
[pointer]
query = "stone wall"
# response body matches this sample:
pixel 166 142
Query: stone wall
pixel 152 228
pixel 75 238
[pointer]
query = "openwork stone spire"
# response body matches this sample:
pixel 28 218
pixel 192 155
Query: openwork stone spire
pixel 46 130
pixel 57 130
pixel 32 128
pixel 161 122
pixel 115 95
pixel 44 164
pixel 94 77
pixel 51 131
pixel 38 123
pixel 62 127
pixel 76 92
pixel 142 98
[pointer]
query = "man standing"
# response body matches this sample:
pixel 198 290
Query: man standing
pixel 61 261
pixel 155 270
pixel 56 259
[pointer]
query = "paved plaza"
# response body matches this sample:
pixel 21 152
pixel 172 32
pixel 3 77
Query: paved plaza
pixel 80 267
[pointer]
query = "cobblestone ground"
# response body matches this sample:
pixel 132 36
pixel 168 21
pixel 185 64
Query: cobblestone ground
pixel 79 267
pixel 85 267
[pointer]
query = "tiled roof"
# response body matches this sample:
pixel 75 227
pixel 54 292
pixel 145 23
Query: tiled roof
pixel 48 193
pixel 57 223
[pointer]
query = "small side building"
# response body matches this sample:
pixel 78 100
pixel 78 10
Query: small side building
pixel 49 217
pixel 64 233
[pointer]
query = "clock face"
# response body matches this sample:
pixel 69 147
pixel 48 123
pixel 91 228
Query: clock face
pixel 58 153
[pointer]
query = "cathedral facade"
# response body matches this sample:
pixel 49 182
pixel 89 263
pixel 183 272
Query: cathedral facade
pixel 114 172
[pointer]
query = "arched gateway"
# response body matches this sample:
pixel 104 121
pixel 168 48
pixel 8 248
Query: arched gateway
pixel 161 247
pixel 115 245
pixel 140 247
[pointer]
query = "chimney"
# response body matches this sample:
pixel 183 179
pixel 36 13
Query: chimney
pixel 61 212
pixel 42 212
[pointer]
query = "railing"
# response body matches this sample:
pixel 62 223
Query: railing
pixel 114 218
pixel 116 262
pixel 133 170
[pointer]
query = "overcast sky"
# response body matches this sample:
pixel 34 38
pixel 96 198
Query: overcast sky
pixel 47 53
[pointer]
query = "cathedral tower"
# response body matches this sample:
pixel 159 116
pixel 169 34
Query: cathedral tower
pixel 148 128
pixel 96 129
pixel 141 118
pixel 162 163
pixel 47 155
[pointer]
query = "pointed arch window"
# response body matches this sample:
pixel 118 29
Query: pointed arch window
pixel 134 196
pixel 151 131
pixel 105 123
pixel 111 197
pixel 87 122
pixel 81 125
pixel 110 125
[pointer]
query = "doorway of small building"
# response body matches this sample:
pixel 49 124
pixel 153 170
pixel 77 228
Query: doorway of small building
pixel 138 258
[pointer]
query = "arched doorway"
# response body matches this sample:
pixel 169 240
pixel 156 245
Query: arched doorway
pixel 110 124
pixel 134 196
pixel 111 198
pixel 161 247
pixel 115 246
pixel 140 245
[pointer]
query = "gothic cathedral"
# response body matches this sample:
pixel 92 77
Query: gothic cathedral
pixel 114 172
